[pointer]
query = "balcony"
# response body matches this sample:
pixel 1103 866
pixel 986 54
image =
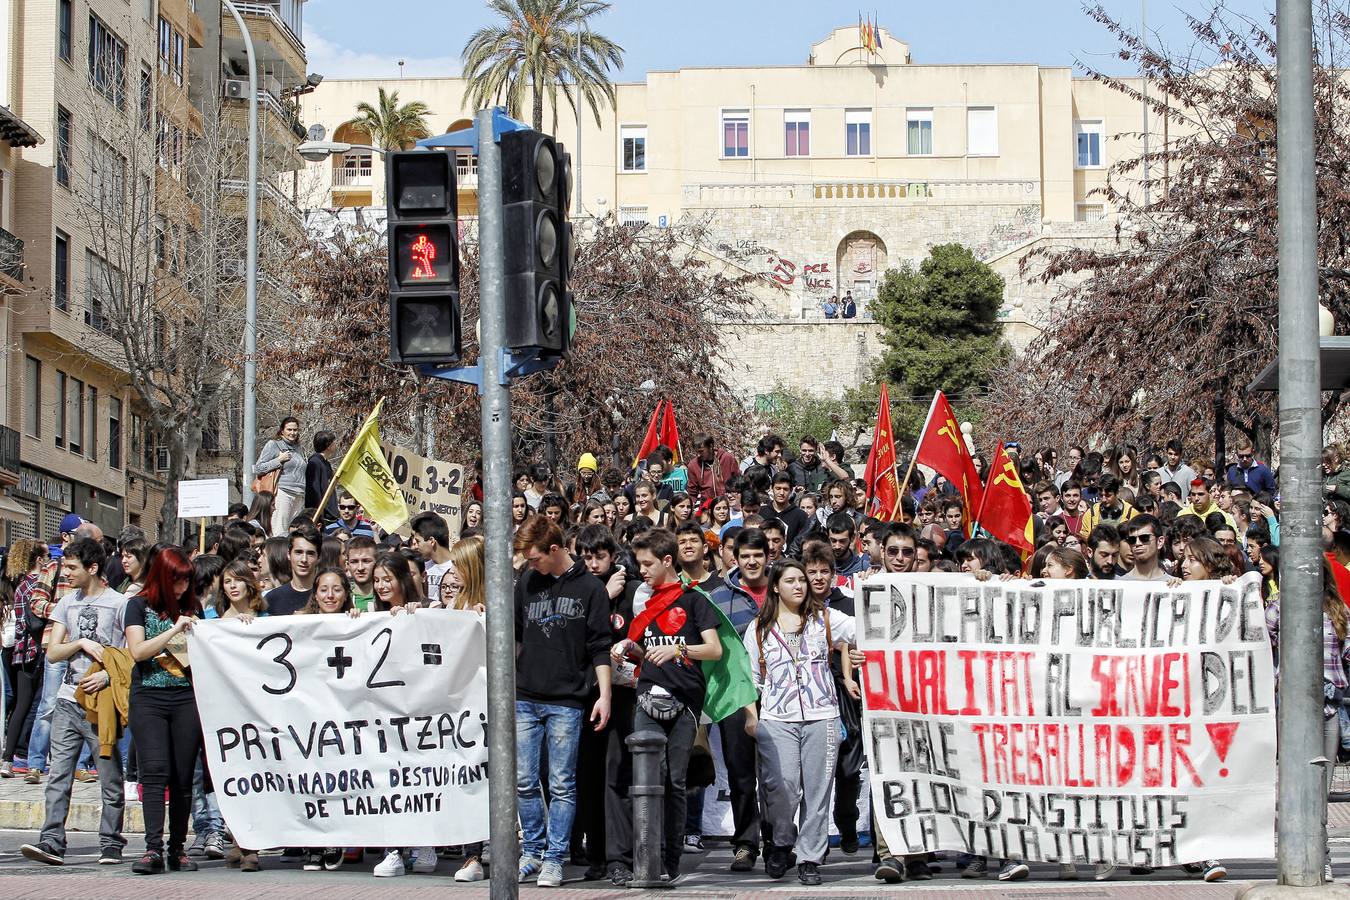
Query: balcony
pixel 277 45
pixel 280 129
pixel 9 450
pixel 855 191
pixel 273 205
pixel 354 170
pixel 466 173
pixel 11 260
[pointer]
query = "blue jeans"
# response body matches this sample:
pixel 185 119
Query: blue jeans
pixel 206 818
pixel 39 743
pixel 548 831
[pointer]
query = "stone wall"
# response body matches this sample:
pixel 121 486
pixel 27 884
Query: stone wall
pixel 818 357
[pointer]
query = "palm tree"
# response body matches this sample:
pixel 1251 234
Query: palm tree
pixel 536 48
pixel 390 126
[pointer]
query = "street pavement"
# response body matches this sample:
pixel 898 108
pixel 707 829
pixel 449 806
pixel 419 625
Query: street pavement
pixel 704 875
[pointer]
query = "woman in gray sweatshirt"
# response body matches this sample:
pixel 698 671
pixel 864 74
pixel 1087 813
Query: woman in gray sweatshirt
pixel 284 452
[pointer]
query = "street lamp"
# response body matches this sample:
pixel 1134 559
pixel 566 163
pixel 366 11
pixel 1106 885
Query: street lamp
pixel 251 265
pixel 318 151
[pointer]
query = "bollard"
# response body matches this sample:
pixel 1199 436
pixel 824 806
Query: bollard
pixel 647 793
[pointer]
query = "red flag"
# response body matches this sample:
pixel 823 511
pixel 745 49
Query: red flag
pixel 942 447
pixel 652 439
pixel 1006 511
pixel 670 435
pixel 883 489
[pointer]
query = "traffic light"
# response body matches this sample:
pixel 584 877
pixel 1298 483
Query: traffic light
pixel 536 184
pixel 424 324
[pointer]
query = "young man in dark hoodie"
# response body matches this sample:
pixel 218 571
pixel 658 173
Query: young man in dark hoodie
pixel 562 634
pixel 676 631
pixel 740 597
pixel 605 768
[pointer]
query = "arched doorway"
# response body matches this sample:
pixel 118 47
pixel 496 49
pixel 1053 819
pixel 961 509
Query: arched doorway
pixel 859 263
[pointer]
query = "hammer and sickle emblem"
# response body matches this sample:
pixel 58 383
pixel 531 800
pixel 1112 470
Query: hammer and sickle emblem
pixel 952 433
pixel 1008 475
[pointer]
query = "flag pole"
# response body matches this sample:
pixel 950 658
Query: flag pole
pixel 914 457
pixel 333 482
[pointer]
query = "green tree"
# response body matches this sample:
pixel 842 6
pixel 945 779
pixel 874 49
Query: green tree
pixel 941 332
pixel 535 49
pixel 391 126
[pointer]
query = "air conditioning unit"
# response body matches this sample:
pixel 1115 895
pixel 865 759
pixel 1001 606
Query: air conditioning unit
pixel 236 88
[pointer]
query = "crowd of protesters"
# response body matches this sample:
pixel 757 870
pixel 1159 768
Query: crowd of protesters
pixel 621 577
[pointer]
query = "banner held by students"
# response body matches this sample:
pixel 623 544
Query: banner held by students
pixel 429 485
pixel 329 731
pixel 1070 721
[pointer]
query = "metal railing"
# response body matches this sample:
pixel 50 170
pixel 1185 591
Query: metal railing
pixel 11 255
pixel 286 204
pixel 353 176
pixel 9 449
pixel 267 11
pixel 808 192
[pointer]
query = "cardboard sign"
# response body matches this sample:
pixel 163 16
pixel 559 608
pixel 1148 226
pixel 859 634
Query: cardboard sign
pixel 324 730
pixel 203 498
pixel 429 485
pixel 1116 722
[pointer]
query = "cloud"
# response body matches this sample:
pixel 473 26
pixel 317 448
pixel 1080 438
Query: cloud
pixel 337 62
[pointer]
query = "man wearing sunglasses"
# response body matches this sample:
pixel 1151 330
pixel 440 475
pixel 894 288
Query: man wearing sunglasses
pixel 1144 535
pixel 899 548
pixel 1247 472
pixel 349 523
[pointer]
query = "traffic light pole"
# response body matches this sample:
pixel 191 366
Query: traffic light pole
pixel 496 424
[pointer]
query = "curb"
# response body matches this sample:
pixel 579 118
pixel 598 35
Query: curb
pixel 30 815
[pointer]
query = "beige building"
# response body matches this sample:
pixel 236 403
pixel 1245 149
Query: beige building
pixel 116 89
pixel 818 176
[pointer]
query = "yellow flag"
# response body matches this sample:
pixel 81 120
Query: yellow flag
pixel 366 475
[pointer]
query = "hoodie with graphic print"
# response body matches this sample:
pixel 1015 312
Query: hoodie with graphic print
pixel 562 635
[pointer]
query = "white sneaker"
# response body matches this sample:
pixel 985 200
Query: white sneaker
pixel 1103 872
pixel 391 865
pixel 551 875
pixel 424 860
pixel 472 870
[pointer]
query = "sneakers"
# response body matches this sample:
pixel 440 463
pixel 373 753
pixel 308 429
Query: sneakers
pixel 620 875
pixel 917 870
pixel 43 852
pixel 215 846
pixel 424 860
pixel 110 856
pixel 1014 871
pixel 890 870
pixel 1068 872
pixel 313 861
pixel 248 862
pixel 777 860
pixel 1103 872
pixel 84 776
pixel 472 870
pixel 1327 875
pixel 181 862
pixel 151 863
pixel 529 869
pixel 551 875
pixel 1214 870
pixel 849 843
pixel 744 860
pixel 808 874
pixel 693 843
pixel 978 868
pixel 391 866
pixel 33 776
pixel 198 847
pixel 7 769
pixel 332 858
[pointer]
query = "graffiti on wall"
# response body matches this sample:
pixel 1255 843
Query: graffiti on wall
pixel 816 278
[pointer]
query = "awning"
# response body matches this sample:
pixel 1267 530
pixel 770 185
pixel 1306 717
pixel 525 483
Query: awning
pixel 11 510
pixel 16 130
pixel 1335 353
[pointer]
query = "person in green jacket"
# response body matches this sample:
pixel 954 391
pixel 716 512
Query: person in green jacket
pixel 1337 475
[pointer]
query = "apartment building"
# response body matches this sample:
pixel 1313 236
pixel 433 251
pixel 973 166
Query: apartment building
pixel 118 89
pixel 819 176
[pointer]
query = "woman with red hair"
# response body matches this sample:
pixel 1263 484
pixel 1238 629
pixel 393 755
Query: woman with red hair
pixel 163 713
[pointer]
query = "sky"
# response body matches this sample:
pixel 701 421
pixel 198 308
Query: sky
pixel 358 39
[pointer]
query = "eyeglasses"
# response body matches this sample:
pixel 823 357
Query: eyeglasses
pixel 1138 539
pixel 347 506
pixel 1244 456
pixel 899 551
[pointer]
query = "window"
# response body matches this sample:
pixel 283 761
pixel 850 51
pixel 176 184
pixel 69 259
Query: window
pixel 60 434
pixel 162 145
pixel 93 423
pixel 64 146
pixel 32 396
pixel 107 176
pixel 633 215
pixel 61 281
pixel 1088 138
pixel 64 24
pixel 981 131
pixel 735 133
pixel 797 132
pixel 858 129
pixel 161 242
pixel 107 62
pixel 147 98
pixel 75 415
pixel 176 153
pixel 634 139
pixel 102 284
pixel 919 131
pixel 114 433
pixel 165 45
pixel 178 58
pixel 1090 212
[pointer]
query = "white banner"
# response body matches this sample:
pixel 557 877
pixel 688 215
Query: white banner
pixel 326 731
pixel 1074 721
pixel 429 485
